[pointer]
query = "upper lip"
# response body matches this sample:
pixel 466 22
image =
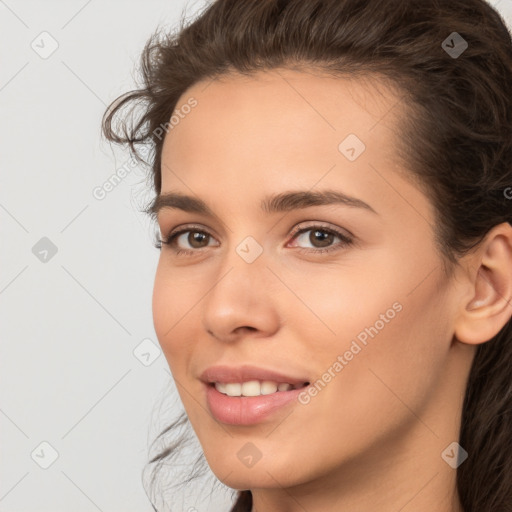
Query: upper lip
pixel 246 373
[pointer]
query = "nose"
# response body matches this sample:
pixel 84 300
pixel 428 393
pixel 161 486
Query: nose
pixel 242 301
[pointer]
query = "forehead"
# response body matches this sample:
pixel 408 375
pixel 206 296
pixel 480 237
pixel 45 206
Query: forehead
pixel 279 111
pixel 362 100
pixel 252 136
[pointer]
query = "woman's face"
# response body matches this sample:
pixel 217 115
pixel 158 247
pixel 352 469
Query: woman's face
pixel 368 321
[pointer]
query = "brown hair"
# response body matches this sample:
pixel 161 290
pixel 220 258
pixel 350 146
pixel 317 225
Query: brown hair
pixel 456 140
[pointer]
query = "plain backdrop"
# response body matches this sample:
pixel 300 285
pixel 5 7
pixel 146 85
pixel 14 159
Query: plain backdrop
pixel 82 377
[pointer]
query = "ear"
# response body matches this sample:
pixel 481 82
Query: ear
pixel 487 305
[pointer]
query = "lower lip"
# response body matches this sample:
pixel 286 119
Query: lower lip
pixel 247 410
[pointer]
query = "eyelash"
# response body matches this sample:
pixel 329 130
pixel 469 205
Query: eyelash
pixel 170 240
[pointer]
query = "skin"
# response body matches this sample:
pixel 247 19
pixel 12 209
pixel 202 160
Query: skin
pixel 372 439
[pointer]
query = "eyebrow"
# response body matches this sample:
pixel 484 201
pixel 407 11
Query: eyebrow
pixel 282 202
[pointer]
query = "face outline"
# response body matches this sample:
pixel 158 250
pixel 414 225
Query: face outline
pixel 276 132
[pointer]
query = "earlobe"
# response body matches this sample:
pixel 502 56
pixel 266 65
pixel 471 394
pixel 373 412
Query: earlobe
pixel 489 307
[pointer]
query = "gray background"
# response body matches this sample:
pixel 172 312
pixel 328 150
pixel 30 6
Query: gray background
pixel 80 364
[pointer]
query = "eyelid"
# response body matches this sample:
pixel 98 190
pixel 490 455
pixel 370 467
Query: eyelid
pixel 171 238
pixel 189 227
pixel 297 229
pixel 346 238
pixel 322 225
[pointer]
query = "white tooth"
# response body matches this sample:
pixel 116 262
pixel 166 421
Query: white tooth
pixel 221 387
pixel 268 387
pixel 233 388
pixel 251 388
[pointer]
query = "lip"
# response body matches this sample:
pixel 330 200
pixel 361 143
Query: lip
pixel 247 410
pixel 246 373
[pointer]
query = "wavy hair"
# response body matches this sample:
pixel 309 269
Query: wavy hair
pixel 456 140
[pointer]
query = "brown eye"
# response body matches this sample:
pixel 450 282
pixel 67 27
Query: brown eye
pixel 178 241
pixel 320 239
pixel 196 238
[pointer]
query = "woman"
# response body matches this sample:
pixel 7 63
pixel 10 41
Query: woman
pixel 333 296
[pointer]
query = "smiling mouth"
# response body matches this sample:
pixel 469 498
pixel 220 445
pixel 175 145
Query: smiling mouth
pixel 254 388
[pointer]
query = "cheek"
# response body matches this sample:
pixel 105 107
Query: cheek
pixel 388 323
pixel 171 304
pixel 162 305
pixel 393 356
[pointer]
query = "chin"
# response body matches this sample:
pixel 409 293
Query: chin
pixel 252 478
